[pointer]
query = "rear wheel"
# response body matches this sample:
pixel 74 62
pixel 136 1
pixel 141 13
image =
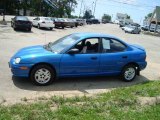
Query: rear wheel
pixel 42 75
pixel 129 73
pixel 50 28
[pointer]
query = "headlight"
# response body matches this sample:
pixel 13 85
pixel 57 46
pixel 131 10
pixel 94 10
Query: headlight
pixel 17 60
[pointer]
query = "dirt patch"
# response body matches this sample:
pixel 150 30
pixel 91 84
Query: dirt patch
pixel 149 100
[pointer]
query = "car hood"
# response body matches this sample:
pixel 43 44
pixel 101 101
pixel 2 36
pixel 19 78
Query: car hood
pixel 33 50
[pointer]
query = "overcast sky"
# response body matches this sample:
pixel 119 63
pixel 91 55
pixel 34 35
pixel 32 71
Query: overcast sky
pixel 137 9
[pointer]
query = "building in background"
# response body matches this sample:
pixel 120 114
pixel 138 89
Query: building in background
pixel 154 21
pixel 123 19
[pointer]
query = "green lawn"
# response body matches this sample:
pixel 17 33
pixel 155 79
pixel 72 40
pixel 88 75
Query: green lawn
pixel 120 104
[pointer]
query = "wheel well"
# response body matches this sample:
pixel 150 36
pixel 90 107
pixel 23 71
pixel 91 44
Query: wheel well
pixel 42 64
pixel 135 64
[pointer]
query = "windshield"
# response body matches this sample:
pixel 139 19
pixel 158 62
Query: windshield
pixel 63 43
pixel 133 27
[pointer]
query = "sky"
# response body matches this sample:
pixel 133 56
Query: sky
pixel 137 9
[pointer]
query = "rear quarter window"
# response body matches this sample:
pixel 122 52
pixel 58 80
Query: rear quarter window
pixel 112 45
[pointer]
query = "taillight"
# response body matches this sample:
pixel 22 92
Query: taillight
pixel 43 22
pixel 145 57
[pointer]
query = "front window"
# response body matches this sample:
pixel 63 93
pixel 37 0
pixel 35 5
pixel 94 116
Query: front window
pixel 62 43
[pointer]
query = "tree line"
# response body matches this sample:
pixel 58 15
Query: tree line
pixel 38 7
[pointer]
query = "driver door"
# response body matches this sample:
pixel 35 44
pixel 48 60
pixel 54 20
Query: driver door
pixel 81 63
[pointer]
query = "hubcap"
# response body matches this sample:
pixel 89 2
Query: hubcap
pixel 42 76
pixel 129 73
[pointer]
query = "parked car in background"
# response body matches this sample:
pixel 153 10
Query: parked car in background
pixel 136 24
pixel 21 22
pixel 79 54
pixel 93 21
pixel 81 22
pixel 75 21
pixel 104 21
pixel 145 28
pixel 132 29
pixel 70 23
pixel 153 27
pixel 89 21
pixel 43 22
pixel 123 28
pixel 59 23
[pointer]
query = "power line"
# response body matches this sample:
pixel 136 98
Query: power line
pixel 136 5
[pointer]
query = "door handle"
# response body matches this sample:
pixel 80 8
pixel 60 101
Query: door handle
pixel 94 58
pixel 124 57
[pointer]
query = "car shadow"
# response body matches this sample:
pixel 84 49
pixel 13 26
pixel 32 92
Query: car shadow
pixel 23 31
pixel 46 29
pixel 59 28
pixel 80 84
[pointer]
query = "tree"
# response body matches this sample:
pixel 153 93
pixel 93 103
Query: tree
pixel 128 17
pixel 106 17
pixel 88 14
pixel 39 7
pixel 148 15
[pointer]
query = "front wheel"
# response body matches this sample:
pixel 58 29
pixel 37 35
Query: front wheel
pixel 129 73
pixel 39 27
pixel 42 75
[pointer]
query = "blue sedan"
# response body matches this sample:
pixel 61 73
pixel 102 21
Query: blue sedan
pixel 79 54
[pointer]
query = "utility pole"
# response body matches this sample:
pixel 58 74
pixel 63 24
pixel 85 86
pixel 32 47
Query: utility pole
pixel 95 8
pixel 80 8
pixel 92 8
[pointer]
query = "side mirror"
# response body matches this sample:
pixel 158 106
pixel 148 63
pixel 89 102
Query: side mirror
pixel 73 51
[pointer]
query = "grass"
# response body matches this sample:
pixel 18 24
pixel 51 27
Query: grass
pixel 120 103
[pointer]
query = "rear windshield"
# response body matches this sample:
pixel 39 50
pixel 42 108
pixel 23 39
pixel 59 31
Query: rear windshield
pixel 22 18
pixel 47 19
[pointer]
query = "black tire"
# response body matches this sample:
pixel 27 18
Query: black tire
pixel 62 27
pixel 43 67
pixel 29 29
pixel 124 71
pixel 15 29
pixel 50 28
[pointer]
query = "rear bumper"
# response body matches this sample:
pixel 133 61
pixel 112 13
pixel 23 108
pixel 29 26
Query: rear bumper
pixel 47 25
pixel 142 65
pixel 23 26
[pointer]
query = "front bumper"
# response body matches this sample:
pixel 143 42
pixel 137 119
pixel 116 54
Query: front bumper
pixel 17 70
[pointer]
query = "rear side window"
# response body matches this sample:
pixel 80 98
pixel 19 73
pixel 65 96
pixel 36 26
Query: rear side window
pixel 112 45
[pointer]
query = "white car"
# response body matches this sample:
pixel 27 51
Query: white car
pixel 81 21
pixel 43 22
pixel 132 29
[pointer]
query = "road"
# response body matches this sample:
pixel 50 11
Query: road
pixel 13 90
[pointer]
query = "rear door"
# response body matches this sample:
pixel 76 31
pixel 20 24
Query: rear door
pixel 113 57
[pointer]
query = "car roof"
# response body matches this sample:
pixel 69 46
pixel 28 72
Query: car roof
pixel 92 34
